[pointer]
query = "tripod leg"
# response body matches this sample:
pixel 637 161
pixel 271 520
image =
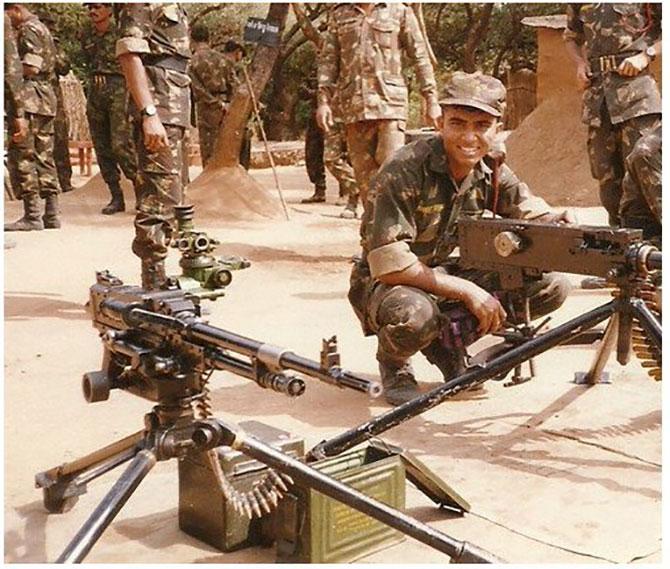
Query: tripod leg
pixel 213 433
pixel 110 506
pixel 595 373
pixel 63 484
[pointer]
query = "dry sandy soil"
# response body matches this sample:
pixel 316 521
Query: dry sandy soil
pixel 555 472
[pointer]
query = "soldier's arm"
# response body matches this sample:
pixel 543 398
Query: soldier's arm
pixel 327 76
pixel 573 36
pixel 515 200
pixel 392 262
pixel 33 48
pixel 634 65
pixel 132 42
pixel 415 45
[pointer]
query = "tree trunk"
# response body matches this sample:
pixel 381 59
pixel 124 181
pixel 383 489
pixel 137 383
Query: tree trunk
pixel 476 35
pixel 229 141
pixel 225 190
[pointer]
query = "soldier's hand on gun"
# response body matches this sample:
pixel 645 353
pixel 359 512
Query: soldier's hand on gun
pixel 20 130
pixel 565 216
pixel 583 75
pixel 324 117
pixel 486 308
pixel 155 136
pixel 633 65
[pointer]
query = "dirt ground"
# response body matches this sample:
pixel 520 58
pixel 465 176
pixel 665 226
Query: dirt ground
pixel 555 472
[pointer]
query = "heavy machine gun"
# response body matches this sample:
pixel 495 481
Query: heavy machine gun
pixel 157 346
pixel 516 249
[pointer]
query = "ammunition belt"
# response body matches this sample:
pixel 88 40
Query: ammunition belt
pixel 608 63
pixel 166 62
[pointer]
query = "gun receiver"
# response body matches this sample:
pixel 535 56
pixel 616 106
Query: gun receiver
pixel 514 248
pixel 157 346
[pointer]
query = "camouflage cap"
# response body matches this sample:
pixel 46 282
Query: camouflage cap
pixel 476 90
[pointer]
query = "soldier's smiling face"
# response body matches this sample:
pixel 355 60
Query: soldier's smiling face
pixel 467 135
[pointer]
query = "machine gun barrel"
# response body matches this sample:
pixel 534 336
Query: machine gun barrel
pixel 273 356
pixel 212 433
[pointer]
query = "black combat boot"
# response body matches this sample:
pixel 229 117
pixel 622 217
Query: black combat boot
pixel 153 274
pixel 51 217
pixel 319 195
pixel 31 220
pixel 398 382
pixel 350 211
pixel 117 204
pixel 450 362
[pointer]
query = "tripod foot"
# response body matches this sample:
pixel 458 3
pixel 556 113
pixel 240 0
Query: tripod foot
pixel 55 503
pixel 584 378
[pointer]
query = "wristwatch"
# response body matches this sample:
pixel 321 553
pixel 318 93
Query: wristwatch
pixel 650 52
pixel 148 111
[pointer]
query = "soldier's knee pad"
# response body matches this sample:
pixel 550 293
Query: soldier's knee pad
pixel 408 319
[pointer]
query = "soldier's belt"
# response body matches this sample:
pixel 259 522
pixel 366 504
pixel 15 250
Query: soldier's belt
pixel 166 62
pixel 609 63
pixel 100 79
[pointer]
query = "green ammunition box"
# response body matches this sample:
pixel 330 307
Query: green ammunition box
pixel 312 528
pixel 205 514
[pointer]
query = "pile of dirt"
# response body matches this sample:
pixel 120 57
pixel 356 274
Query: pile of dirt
pixel 548 152
pixel 224 194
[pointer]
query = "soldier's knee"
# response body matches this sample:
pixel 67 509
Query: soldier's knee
pixel 407 319
pixel 552 295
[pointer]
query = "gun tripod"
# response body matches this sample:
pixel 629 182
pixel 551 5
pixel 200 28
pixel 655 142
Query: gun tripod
pixel 623 312
pixel 172 431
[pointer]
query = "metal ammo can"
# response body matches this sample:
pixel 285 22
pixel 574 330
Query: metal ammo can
pixel 312 528
pixel 205 514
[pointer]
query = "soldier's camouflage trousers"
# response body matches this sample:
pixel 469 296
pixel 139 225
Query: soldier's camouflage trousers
pixel 336 158
pixel 161 180
pixel 608 146
pixel 209 122
pixel 31 162
pixel 62 145
pixel 407 320
pixel 111 130
pixel 641 203
pixel 370 144
pixel 314 146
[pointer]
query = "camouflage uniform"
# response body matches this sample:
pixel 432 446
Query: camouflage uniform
pixel 31 161
pixel 411 215
pixel 13 75
pixel 61 124
pixel 13 92
pixel 361 61
pixel 617 109
pixel 335 144
pixel 107 112
pixel 641 204
pixel 213 81
pixel 158 33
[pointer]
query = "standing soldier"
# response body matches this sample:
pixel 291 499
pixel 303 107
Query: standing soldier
pixel 612 45
pixel 106 107
pixel 31 156
pixel 335 144
pixel 61 123
pixel 212 81
pixel 361 61
pixel 153 50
